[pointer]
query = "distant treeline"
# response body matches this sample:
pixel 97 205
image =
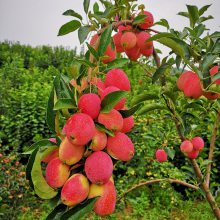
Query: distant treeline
pixel 26 76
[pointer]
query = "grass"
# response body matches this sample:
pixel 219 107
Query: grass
pixel 140 208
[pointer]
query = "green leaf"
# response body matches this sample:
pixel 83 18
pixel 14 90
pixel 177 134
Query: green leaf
pixel 79 211
pixel 178 46
pixel 216 34
pixel 199 30
pixel 55 201
pixel 216 77
pixel 62 87
pixel 64 104
pixel 42 189
pixel 184 14
pixel 107 3
pixel 151 107
pixel 118 63
pixel 82 72
pixel 104 40
pixel 131 111
pixel 93 51
pixel 83 32
pixel 163 22
pixel 144 96
pixel 202 19
pixel 33 150
pixel 56 211
pixel 96 8
pixel 85 62
pixel 111 100
pixel 133 7
pixel 216 47
pixel 160 71
pixel 159 36
pixel 102 128
pixel 170 94
pixel 186 115
pixel 170 152
pixel 71 12
pixel 110 12
pixel 206 162
pixel 214 88
pixel 139 19
pixel 50 113
pixel 208 60
pixel 193 14
pixel 86 5
pixel 44 142
pixel 69 27
pixel 195 105
pixel 29 167
pixel 57 88
pixel 178 61
pixel 203 9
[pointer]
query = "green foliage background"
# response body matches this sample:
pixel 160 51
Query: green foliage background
pixel 26 76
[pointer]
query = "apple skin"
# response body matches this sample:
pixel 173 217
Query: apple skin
pixel 190 84
pixel 70 153
pixel 198 143
pixel 193 154
pixel 99 167
pixel 75 190
pixel 56 173
pixel 118 78
pixel 105 204
pixel 74 126
pixel 161 155
pixel 112 120
pixel 186 146
pixel 128 40
pixel 99 141
pixel 120 147
pixel 148 21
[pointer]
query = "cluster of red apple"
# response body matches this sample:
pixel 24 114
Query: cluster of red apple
pixel 131 40
pixel 84 145
pixel 190 84
pixel 192 148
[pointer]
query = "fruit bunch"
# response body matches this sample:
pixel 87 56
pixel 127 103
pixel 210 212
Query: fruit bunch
pixel 82 166
pixel 133 40
pixel 129 39
pixel 191 148
pixel 189 83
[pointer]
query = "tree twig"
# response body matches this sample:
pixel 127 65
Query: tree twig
pixel 206 189
pixel 158 181
pixel 115 25
pixel 124 22
pixel 155 31
pixel 156 58
pixel 211 148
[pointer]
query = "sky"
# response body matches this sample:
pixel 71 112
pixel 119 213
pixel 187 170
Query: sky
pixel 37 22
